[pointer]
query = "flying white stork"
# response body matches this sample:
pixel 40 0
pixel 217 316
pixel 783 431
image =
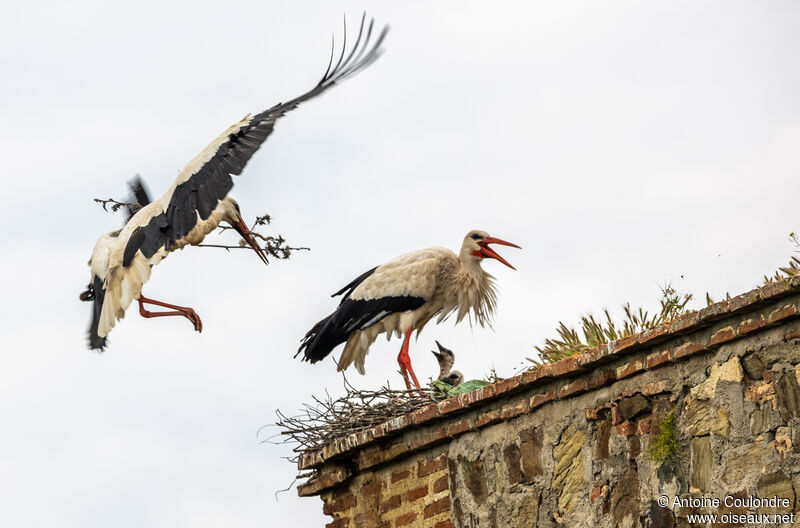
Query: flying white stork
pixel 196 203
pixel 403 295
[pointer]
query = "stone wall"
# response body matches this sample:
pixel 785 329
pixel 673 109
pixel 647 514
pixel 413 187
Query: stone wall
pixel 570 443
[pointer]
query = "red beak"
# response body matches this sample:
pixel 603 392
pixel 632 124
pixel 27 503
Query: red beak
pixel 486 251
pixel 242 229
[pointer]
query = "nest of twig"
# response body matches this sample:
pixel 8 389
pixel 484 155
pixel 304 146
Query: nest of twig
pixel 329 419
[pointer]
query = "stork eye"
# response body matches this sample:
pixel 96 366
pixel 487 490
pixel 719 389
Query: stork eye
pixel 476 236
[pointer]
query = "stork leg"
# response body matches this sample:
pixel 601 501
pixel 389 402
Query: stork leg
pixel 188 313
pixel 405 362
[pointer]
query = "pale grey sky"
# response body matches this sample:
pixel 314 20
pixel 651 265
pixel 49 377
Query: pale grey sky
pixel 621 144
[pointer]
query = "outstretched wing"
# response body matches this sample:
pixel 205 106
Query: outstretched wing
pixel 208 178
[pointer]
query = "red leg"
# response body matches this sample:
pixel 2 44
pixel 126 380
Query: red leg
pixel 188 313
pixel 405 362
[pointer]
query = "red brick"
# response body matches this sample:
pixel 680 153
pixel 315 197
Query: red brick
pixel 398 423
pixel 595 493
pixel 374 455
pixel 592 414
pixel 429 412
pixel 405 519
pixel 780 314
pixel 794 334
pixel 443 524
pixel 653 335
pixel 575 387
pixel 371 488
pixel 367 518
pixel 625 429
pixel 685 350
pixel 601 378
pixel 379 431
pixel 439 506
pixel 397 476
pixel 508 384
pixel 775 289
pixel 623 344
pixel 441 484
pixel 540 399
pixel 515 408
pixel 722 336
pixel 343 503
pixel 338 523
pixel 714 312
pixel 390 504
pixel 594 356
pixel 426 467
pixel 630 368
pixel 616 416
pixel 488 418
pixel 487 392
pixel 658 358
pixel 685 323
pixel 417 494
pixel 759 390
pixel 428 437
pixel 565 366
pixel 644 425
pixel 450 405
pixel 744 300
pixel 751 325
pixel 459 426
pixel 537 373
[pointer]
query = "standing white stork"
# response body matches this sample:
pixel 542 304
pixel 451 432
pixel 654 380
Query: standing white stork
pixel 196 203
pixel 403 295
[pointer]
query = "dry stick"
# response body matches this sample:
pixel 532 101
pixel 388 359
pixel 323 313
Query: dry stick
pixel 329 419
pixel 115 205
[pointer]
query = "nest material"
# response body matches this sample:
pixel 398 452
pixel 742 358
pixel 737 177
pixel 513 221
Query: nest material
pixel 327 420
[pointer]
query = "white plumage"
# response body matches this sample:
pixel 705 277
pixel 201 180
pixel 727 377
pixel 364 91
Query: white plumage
pixel 195 204
pixel 403 295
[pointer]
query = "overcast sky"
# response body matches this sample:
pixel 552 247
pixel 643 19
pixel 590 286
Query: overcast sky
pixel 620 144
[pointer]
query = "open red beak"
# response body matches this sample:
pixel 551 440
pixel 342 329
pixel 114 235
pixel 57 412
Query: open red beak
pixel 486 251
pixel 242 229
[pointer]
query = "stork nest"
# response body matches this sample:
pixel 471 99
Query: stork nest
pixel 329 419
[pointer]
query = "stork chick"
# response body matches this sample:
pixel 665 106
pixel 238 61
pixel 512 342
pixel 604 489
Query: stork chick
pixel 446 358
pixel 403 295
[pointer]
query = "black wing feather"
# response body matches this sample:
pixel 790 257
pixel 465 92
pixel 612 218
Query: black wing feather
pixel 351 315
pixel 213 181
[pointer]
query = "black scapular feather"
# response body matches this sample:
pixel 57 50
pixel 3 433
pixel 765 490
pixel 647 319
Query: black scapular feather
pixel 351 315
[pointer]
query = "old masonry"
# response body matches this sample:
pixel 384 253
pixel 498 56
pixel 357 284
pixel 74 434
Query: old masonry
pixel 571 443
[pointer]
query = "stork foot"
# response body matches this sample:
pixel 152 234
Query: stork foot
pixel 184 311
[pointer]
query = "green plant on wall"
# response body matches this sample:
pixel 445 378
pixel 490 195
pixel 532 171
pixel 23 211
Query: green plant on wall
pixel 597 332
pixel 665 444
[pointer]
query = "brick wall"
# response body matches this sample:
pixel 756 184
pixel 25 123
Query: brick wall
pixel 414 493
pixel 567 444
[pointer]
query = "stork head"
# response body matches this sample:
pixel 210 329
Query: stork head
pixel 444 356
pixel 476 247
pixel 234 217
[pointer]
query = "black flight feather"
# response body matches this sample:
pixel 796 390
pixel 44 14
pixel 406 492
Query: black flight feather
pixel 201 192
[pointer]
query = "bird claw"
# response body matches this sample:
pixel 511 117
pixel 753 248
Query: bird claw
pixel 192 316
